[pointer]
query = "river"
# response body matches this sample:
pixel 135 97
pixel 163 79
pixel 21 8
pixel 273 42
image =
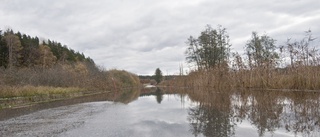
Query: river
pixel 160 114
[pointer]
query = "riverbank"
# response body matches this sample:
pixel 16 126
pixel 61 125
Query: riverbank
pixel 22 90
pixel 14 97
pixel 24 105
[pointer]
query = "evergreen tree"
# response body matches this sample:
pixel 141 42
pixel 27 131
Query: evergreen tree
pixel 3 51
pixel 158 76
pixel 21 50
pixel 30 52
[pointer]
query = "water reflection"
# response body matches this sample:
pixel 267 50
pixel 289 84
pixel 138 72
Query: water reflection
pixel 209 122
pixel 157 92
pixel 268 112
pixel 126 95
pixel 211 117
pixel 159 95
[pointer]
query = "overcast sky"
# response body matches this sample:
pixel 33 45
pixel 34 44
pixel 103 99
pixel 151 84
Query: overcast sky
pixel 142 35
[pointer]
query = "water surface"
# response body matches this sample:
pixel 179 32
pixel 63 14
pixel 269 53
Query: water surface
pixel 219 114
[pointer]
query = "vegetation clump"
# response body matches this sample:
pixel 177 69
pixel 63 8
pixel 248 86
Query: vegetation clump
pixel 294 65
pixel 123 79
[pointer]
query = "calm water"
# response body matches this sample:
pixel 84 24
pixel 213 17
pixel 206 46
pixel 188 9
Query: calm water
pixel 214 114
pixel 156 113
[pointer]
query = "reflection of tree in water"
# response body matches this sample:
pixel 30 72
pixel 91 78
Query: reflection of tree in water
pixel 212 118
pixel 159 95
pixel 216 113
pixel 157 92
pixel 210 122
pixel 269 111
pixel 126 95
pixel 265 111
pixel 303 115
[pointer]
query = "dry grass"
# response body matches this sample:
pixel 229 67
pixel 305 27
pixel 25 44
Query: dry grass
pixel 301 78
pixel 15 91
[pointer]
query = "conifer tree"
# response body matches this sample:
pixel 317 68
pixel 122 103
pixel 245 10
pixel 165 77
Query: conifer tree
pixel 158 76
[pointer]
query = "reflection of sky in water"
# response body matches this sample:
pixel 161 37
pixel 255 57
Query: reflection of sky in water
pixel 166 119
pixel 144 117
pixel 245 129
pixel 147 118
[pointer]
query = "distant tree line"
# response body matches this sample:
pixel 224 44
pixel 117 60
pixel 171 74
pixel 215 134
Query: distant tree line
pixel 22 50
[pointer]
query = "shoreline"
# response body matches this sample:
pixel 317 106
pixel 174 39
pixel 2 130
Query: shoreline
pixel 11 112
pixel 22 101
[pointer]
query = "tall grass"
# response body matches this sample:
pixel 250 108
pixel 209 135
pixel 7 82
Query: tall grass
pixel 301 78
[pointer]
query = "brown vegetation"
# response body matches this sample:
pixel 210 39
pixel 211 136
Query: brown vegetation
pixel 302 78
pixel 79 76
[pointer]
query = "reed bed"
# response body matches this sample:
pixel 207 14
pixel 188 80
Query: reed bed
pixel 300 78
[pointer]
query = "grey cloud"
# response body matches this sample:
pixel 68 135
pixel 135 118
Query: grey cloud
pixel 154 128
pixel 141 35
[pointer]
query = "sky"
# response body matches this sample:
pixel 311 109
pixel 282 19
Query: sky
pixel 142 35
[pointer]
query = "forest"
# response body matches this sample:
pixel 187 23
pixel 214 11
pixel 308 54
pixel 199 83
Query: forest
pixel 29 66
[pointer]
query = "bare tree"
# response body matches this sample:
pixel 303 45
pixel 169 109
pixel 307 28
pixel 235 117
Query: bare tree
pixel 301 52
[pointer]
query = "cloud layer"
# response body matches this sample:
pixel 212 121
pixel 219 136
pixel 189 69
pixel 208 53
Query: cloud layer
pixel 142 35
